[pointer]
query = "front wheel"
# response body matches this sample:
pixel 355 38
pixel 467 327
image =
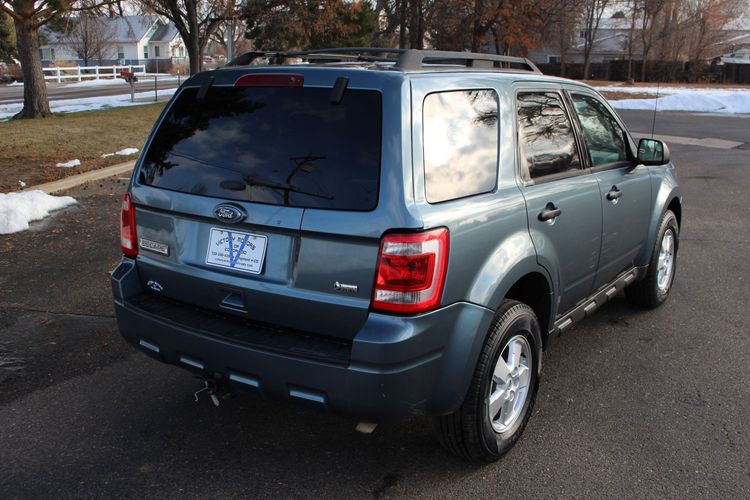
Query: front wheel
pixel 654 288
pixel 502 391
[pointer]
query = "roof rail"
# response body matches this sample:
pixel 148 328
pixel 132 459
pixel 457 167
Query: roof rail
pixel 405 60
pixel 411 60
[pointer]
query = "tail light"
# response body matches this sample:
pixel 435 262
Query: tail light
pixel 411 271
pixel 289 80
pixel 128 239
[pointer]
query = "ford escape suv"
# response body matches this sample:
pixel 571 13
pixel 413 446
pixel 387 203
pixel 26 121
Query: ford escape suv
pixel 385 233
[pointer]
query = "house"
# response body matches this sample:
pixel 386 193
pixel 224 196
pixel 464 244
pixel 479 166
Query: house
pixel 611 42
pixel 128 40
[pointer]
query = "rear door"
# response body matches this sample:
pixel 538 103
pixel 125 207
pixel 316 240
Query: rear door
pixel 269 153
pixel 562 198
pixel 624 186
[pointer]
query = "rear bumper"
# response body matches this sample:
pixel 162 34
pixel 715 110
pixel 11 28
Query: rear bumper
pixel 397 366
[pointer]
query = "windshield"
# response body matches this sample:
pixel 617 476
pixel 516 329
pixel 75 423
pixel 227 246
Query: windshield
pixel 281 146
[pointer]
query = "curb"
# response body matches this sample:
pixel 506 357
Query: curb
pixel 76 180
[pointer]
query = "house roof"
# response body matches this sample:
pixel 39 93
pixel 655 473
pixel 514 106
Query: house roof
pixel 125 29
pixel 131 28
pixel 165 33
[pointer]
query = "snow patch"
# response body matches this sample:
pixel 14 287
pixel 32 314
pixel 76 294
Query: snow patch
pixel 22 184
pixel 18 209
pixel 69 164
pixel 96 83
pixel 691 99
pixel 728 103
pixel 122 152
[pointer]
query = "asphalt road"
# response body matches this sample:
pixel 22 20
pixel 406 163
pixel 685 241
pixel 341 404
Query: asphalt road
pixel 631 404
pixel 9 95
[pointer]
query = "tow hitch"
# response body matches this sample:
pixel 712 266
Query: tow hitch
pixel 212 388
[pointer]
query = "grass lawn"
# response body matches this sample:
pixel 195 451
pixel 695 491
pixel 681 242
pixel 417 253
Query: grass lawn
pixel 29 149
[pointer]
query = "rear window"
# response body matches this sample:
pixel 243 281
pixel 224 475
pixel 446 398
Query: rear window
pixel 280 146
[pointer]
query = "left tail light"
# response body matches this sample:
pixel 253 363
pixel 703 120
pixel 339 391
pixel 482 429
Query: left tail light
pixel 128 238
pixel 411 272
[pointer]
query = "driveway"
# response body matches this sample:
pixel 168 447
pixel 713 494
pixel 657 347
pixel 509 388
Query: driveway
pixel 631 404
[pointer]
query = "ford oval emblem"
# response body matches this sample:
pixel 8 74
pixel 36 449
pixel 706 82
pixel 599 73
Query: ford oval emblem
pixel 229 213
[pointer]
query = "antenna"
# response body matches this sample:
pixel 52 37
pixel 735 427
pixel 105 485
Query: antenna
pixel 656 104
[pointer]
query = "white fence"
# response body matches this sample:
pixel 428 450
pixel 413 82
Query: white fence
pixel 79 73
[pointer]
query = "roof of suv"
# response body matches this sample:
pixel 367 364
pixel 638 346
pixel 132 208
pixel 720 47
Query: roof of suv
pixel 381 60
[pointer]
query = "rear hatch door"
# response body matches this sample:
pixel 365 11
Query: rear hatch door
pixel 224 185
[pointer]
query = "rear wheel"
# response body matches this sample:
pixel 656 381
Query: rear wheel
pixel 502 391
pixel 654 288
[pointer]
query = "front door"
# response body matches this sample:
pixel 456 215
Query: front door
pixel 624 187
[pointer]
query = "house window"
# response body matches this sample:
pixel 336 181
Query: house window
pixel 48 54
pixel 182 51
pixel 145 51
pixel 553 59
pixel 120 52
pixel 156 51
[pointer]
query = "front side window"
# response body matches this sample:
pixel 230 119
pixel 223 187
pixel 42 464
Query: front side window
pixel 604 137
pixel 460 140
pixel 545 134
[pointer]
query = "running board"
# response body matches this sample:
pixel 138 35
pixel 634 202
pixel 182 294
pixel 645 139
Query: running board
pixel 604 295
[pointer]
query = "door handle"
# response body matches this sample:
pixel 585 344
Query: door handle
pixel 550 212
pixel 614 193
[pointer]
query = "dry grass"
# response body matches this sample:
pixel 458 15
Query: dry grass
pixel 616 96
pixel 29 149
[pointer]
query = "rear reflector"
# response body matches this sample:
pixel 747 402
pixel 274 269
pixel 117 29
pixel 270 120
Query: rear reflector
pixel 411 272
pixel 270 80
pixel 128 239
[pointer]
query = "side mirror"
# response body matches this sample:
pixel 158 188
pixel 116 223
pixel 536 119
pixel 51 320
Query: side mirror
pixel 652 152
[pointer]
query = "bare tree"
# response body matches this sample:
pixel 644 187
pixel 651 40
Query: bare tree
pixel 558 27
pixel 195 20
pixel 237 32
pixel 650 11
pixel 593 10
pixel 28 16
pixel 90 37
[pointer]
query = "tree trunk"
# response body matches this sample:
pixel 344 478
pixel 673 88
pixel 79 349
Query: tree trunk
pixel 35 101
pixel 476 32
pixel 402 35
pixel 193 42
pixel 586 64
pixel 194 53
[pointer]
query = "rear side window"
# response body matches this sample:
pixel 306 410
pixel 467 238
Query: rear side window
pixel 545 135
pixel 280 146
pixel 460 139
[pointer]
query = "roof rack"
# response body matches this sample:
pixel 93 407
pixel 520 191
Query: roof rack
pixel 405 60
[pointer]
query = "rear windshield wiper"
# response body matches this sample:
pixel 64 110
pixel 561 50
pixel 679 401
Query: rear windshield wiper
pixel 256 181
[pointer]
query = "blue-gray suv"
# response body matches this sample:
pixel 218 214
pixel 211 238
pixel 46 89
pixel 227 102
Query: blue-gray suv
pixel 387 232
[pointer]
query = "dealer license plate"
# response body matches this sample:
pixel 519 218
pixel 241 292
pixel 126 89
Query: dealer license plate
pixel 235 250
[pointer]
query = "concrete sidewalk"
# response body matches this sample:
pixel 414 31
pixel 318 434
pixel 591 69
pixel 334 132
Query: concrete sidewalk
pixel 77 180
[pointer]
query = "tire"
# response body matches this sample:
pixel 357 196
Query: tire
pixel 470 432
pixel 654 288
